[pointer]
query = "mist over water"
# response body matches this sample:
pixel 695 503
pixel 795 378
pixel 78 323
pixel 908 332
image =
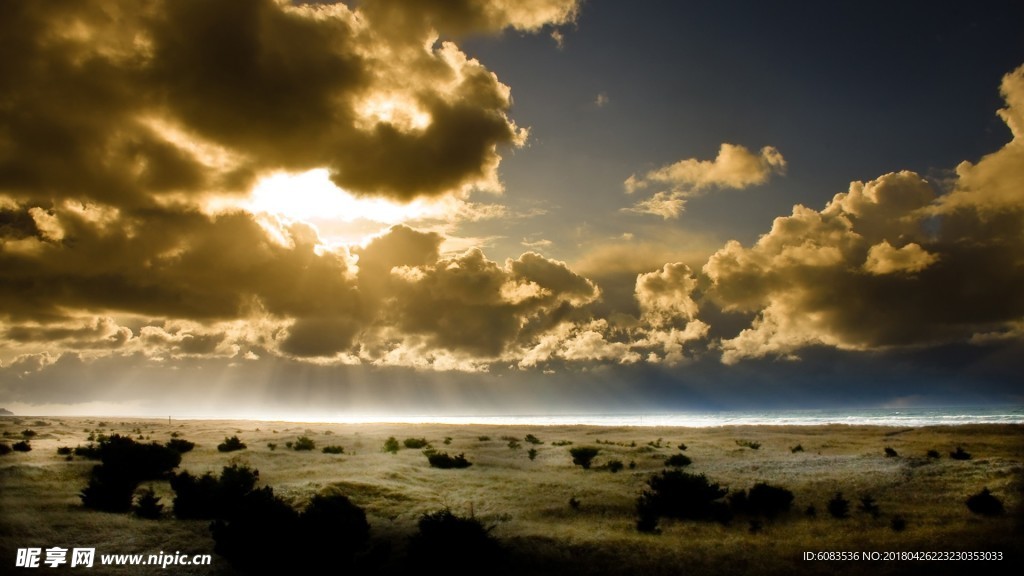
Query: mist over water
pixel 943 416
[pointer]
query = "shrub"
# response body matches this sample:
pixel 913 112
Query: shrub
pixel 762 500
pixel 447 543
pixel 124 464
pixel 532 453
pixel 90 451
pixel 272 446
pixel 583 455
pixel 574 503
pixel 148 505
pixel 890 452
pixel 960 454
pixel 261 536
pixel 303 443
pixel 934 454
pixel 231 444
pixel 443 460
pixel 391 445
pixel 332 522
pixel 797 448
pixel 207 497
pixel 682 447
pixel 748 444
pixel 614 466
pixel 64 450
pixel 985 503
pixel 678 461
pixel 447 440
pixel 22 446
pixel 562 443
pixel 532 439
pixel 513 444
pixel 868 506
pixel 676 494
pixel 180 446
pixel 838 506
pixel 898 523
pixel 28 433
pixel 5 448
pixel 632 464
pixel 415 443
pixel 484 438
pixel 333 449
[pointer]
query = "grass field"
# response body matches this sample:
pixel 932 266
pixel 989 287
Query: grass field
pixel 527 502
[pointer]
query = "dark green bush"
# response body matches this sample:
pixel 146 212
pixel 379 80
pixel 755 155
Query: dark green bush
pixel 838 506
pixel 415 443
pixel 530 438
pixel 898 523
pixel 333 449
pixel 890 452
pixel 868 506
pixel 532 453
pixel 749 444
pixel 148 505
pixel 90 451
pixel 64 450
pixel 583 455
pixel 180 446
pixel 960 454
pixel 676 494
pixel 231 444
pixel 443 460
pixel 303 443
pixel 124 464
pixel 985 503
pixel 391 445
pixel 678 460
pixel 615 465
pixel 762 500
pixel 934 454
pixel 22 446
pixel 5 448
pixel 450 544
pixel 797 448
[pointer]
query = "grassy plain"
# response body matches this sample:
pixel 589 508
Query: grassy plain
pixel 527 501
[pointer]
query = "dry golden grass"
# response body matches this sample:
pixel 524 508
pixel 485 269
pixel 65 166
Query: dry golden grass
pixel 527 501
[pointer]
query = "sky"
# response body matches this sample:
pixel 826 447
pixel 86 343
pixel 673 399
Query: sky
pixel 314 210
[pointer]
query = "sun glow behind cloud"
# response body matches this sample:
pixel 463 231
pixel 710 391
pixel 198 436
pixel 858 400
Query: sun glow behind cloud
pixel 341 217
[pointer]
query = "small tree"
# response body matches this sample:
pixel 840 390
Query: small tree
pixel 583 455
pixel 676 494
pixel 838 506
pixel 391 445
pixel 148 505
pixel 450 544
pixel 532 453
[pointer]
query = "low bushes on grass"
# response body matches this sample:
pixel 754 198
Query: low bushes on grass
pixel 180 445
pixel 22 446
pixel 443 460
pixel 415 443
pixel 762 499
pixel 124 464
pixel 303 443
pixel 231 444
pixel 450 544
pixel 960 454
pixel 391 445
pixel 678 461
pixel 333 449
pixel 676 494
pixel 985 503
pixel 583 455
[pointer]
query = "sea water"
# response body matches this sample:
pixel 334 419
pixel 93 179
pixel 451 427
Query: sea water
pixel 944 416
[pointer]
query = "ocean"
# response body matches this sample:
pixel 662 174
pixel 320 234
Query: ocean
pixel 944 416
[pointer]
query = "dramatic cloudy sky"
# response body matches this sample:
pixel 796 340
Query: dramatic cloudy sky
pixel 264 208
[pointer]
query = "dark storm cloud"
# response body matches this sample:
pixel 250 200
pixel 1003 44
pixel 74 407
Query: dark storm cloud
pixel 125 103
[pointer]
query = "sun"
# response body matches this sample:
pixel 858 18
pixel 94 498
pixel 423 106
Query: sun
pixel 311 196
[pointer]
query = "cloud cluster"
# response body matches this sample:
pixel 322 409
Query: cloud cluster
pixel 890 263
pixel 734 167
pixel 135 105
